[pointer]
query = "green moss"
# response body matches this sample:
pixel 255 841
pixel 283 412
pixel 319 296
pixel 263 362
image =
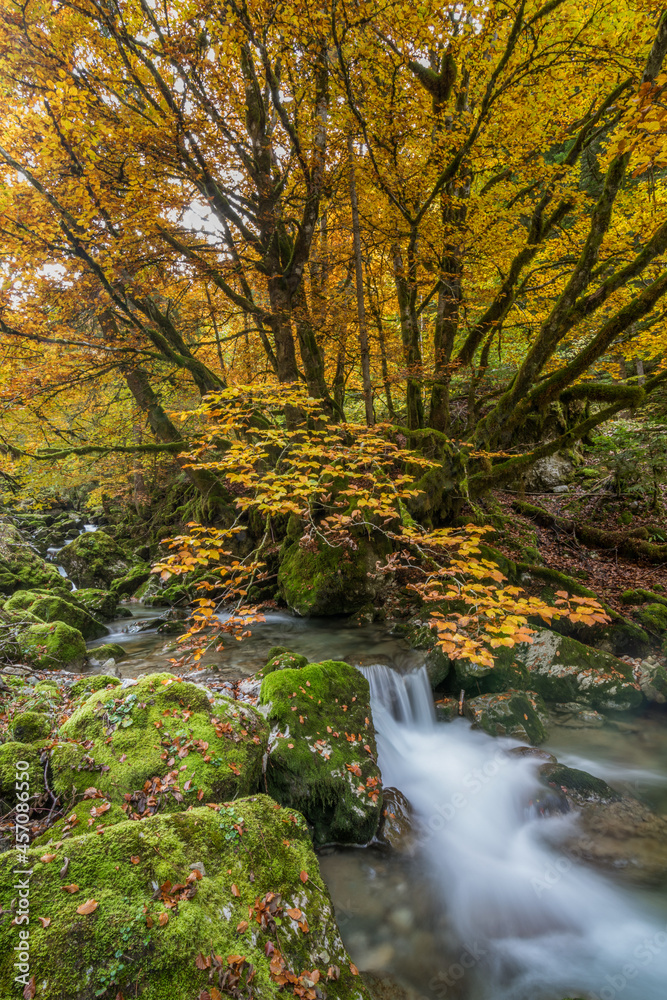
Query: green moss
pixel 318 763
pixel 654 618
pixel 10 754
pixel 521 714
pixel 127 584
pixel 50 689
pixel 276 651
pixel 31 727
pixel 639 596
pixel 330 581
pixel 152 730
pixel 87 685
pixel 53 645
pixel 51 608
pixel 576 783
pixel 21 563
pixel 93 559
pixel 99 603
pixel 285 661
pixel 112 950
pixel 107 651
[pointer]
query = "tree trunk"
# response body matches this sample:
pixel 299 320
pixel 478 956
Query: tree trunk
pixel 361 307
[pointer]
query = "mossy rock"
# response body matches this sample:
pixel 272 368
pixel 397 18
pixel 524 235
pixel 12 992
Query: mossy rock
pixel 107 651
pixel 156 726
pixel 54 609
pixel 276 651
pixel 521 714
pixel 129 582
pixel 10 755
pixel 88 685
pixel 578 785
pixel 563 670
pixel 322 758
pixel 94 560
pixel 251 853
pixel 329 581
pixel 53 644
pixel 654 618
pixel 31 727
pixel 99 603
pixel 285 661
pixel 20 562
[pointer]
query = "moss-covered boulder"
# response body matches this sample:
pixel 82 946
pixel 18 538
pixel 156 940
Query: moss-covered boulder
pixel 329 581
pixel 653 681
pixel 98 603
pixel 164 743
pixel 54 644
pixel 285 661
pixel 93 559
pixel 654 619
pixel 131 580
pixel 31 727
pixel 51 608
pixel 21 566
pixel 105 652
pixel 96 682
pixel 13 756
pixel 154 900
pixel 521 714
pixel 322 758
pixel 564 670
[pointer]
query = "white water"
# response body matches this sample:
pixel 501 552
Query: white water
pixel 528 923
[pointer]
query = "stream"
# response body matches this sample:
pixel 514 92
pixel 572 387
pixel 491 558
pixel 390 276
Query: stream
pixel 486 905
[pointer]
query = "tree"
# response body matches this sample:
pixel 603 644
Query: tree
pixel 175 211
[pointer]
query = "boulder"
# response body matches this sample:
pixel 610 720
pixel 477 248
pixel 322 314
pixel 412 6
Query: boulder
pixel 31 727
pixel 397 826
pixel 547 474
pixel 179 905
pixel 285 661
pixel 93 559
pixel 101 604
pixel 105 652
pixel 21 566
pixel 558 668
pixel 11 754
pixel 329 581
pixel 130 581
pixel 652 677
pixel 521 714
pixel 51 608
pixel 322 753
pixel 88 685
pixel 138 738
pixel 49 645
pixel 615 832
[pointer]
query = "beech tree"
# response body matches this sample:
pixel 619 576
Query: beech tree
pixel 175 181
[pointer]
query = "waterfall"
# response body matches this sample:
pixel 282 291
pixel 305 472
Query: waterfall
pixel 529 922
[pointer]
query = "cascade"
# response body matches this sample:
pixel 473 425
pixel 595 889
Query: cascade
pixel 529 922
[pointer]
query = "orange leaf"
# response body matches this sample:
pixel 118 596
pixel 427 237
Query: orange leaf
pixel 235 890
pixel 88 907
pixel 44 921
pixel 303 876
pixel 353 969
pixel 135 860
pixel 47 858
pixel 163 919
pixel 70 888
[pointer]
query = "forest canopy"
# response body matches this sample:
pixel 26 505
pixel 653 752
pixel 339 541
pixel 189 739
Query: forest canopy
pixel 447 220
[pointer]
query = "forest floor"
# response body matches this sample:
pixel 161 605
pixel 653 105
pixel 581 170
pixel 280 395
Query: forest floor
pixel 604 571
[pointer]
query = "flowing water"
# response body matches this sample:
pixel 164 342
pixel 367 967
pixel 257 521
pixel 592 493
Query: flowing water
pixel 486 905
pixel 490 905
